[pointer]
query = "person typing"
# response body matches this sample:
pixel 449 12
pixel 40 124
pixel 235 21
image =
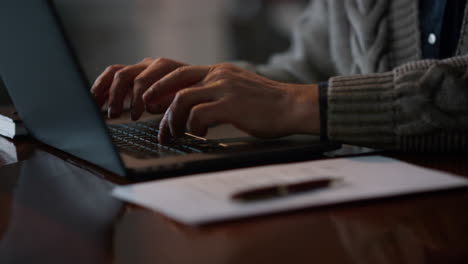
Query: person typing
pixel 394 71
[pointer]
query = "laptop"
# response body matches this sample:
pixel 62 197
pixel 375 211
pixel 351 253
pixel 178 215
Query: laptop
pixel 51 94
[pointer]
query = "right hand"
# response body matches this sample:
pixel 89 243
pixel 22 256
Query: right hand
pixel 119 81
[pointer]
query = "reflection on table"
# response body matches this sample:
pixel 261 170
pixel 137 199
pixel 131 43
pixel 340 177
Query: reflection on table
pixel 55 212
pixel 426 229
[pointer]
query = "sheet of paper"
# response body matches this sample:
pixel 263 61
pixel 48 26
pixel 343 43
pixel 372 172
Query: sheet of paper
pixel 205 198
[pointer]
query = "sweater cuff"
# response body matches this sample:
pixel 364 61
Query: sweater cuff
pixel 360 110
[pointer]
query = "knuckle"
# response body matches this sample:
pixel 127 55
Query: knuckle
pixel 226 66
pixel 222 71
pixel 121 75
pixel 113 67
pixel 162 61
pixel 224 83
pixel 181 70
pixel 141 82
pixel 180 98
pixel 147 59
pixel 153 89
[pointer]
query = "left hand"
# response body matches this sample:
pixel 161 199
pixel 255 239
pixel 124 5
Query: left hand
pixel 200 96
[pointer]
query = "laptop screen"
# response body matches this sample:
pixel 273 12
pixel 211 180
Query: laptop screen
pixel 46 84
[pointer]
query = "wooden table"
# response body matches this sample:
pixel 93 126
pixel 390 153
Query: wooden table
pixel 54 212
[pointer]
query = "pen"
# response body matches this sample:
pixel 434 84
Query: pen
pixel 281 190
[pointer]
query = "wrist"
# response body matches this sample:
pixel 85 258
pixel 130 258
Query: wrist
pixel 306 109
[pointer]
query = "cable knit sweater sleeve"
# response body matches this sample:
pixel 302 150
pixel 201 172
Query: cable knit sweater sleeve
pixel 380 93
pixel 420 106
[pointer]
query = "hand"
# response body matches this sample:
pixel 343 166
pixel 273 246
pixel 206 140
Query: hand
pixel 197 97
pixel 119 81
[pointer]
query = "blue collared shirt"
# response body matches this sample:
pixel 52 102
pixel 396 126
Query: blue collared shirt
pixel 441 22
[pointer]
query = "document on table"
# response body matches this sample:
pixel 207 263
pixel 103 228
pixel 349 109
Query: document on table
pixel 206 198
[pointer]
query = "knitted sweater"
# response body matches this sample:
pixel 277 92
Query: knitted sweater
pixel 381 94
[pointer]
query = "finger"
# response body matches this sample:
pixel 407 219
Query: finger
pixel 184 101
pixel 121 85
pixel 153 73
pixel 103 99
pixel 101 86
pixel 180 78
pixel 164 133
pixel 204 115
pixel 161 107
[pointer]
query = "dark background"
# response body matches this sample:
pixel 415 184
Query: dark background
pixel 197 32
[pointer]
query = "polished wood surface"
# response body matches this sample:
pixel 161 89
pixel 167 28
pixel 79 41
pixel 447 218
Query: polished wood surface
pixel 55 212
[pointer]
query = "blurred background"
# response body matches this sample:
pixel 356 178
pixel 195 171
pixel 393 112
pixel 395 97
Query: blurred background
pixel 106 32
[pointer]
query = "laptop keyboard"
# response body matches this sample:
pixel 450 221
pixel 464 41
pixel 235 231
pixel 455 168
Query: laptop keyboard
pixel 140 139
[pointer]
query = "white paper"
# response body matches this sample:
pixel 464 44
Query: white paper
pixel 206 197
